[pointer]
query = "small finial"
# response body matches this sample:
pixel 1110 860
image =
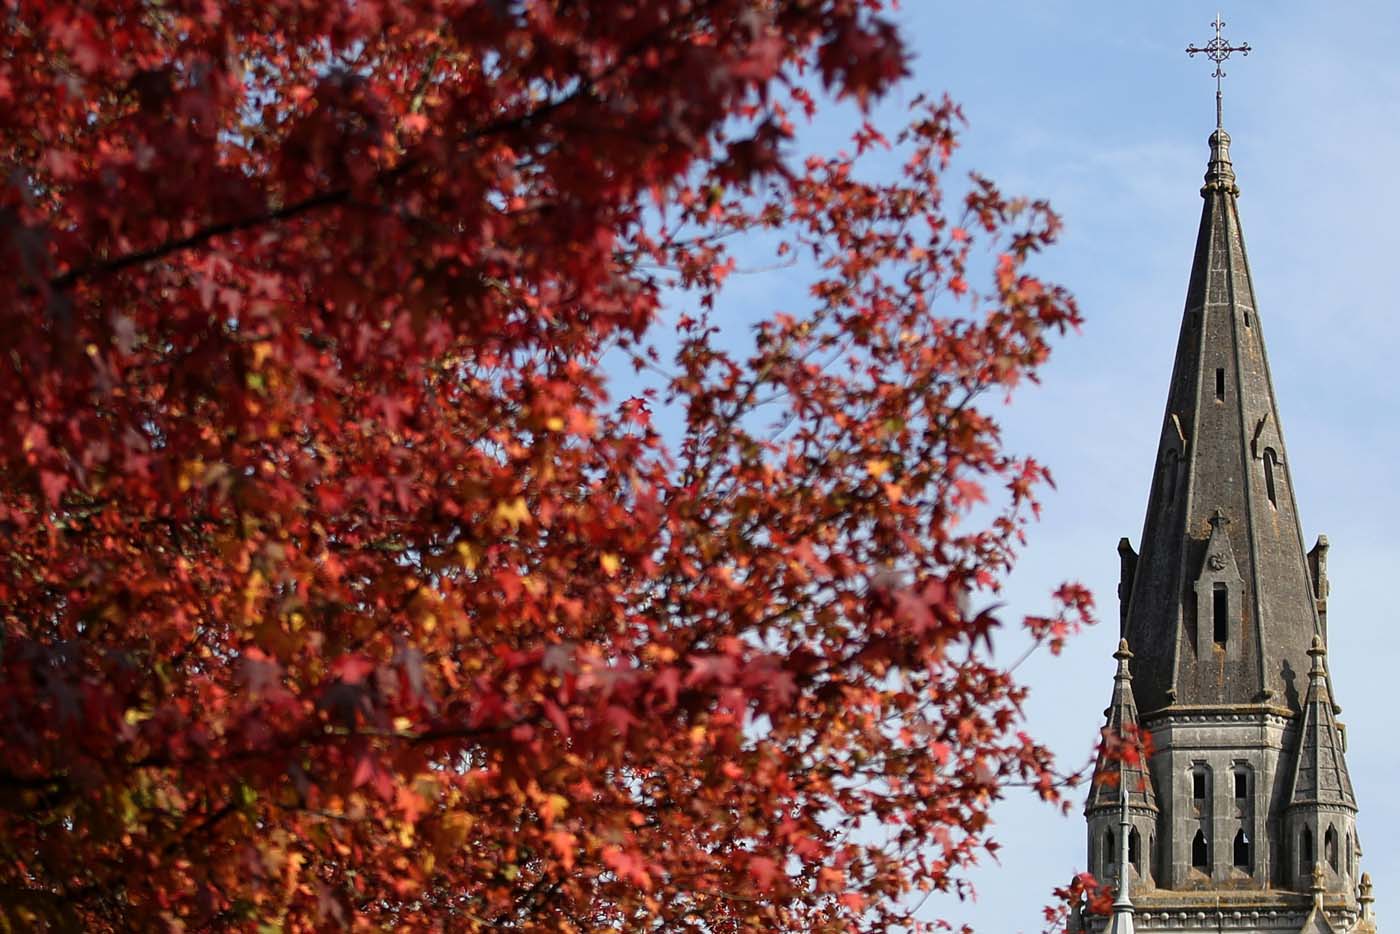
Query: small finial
pixel 1317 652
pixel 1123 656
pixel 1319 883
pixel 1218 518
pixel 1366 897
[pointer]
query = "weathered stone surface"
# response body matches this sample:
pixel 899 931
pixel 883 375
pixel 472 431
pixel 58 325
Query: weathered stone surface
pixel 1221 452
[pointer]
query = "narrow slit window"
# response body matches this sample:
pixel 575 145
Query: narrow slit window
pixel 1242 850
pixel 1241 784
pixel 1270 468
pixel 1331 847
pixel 1220 384
pixel 1200 851
pixel 1220 612
pixel 1110 858
pixel 1246 319
pixel 1133 846
pixel 1198 785
pixel 1305 853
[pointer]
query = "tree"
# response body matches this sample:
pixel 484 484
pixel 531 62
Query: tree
pixel 338 593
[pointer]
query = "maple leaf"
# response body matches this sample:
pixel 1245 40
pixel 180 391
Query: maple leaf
pixel 53 483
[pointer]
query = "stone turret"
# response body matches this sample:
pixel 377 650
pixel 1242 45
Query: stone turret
pixel 1320 816
pixel 1119 770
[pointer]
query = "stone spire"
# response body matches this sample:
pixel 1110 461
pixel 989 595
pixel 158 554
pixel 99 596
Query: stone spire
pixel 1112 772
pixel 1122 807
pixel 1221 608
pixel 1320 772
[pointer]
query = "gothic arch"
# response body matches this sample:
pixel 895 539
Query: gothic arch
pixel 1243 851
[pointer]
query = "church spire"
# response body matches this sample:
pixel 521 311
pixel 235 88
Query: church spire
pixel 1320 772
pixel 1243 806
pixel 1116 771
pixel 1221 608
pixel 1122 806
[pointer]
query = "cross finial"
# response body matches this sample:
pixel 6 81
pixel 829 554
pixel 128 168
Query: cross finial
pixel 1217 50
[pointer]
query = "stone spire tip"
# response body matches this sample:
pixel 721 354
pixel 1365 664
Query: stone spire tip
pixel 1220 172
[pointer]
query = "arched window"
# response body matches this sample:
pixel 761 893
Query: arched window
pixel 1110 858
pixel 1305 853
pixel 1242 853
pixel 1200 851
pixel 1270 467
pixel 1351 856
pixel 1134 857
pixel 1330 848
pixel 1241 783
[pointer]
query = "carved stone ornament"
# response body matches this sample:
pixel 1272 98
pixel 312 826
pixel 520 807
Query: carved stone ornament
pixel 1216 562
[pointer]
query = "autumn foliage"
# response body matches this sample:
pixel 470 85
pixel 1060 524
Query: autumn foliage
pixel 400 530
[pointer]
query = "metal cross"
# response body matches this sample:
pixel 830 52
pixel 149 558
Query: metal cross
pixel 1217 50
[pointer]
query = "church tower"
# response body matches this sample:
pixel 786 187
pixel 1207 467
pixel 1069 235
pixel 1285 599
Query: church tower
pixel 1244 819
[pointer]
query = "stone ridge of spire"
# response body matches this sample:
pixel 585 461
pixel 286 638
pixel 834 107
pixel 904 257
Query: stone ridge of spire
pixel 1320 774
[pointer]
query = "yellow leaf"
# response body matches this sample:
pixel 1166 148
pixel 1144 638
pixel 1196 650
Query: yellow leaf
pixel 470 555
pixel 553 808
pixel 611 563
pixel 877 467
pixel 555 423
pixel 514 512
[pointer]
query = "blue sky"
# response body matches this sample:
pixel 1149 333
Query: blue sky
pixel 1097 107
